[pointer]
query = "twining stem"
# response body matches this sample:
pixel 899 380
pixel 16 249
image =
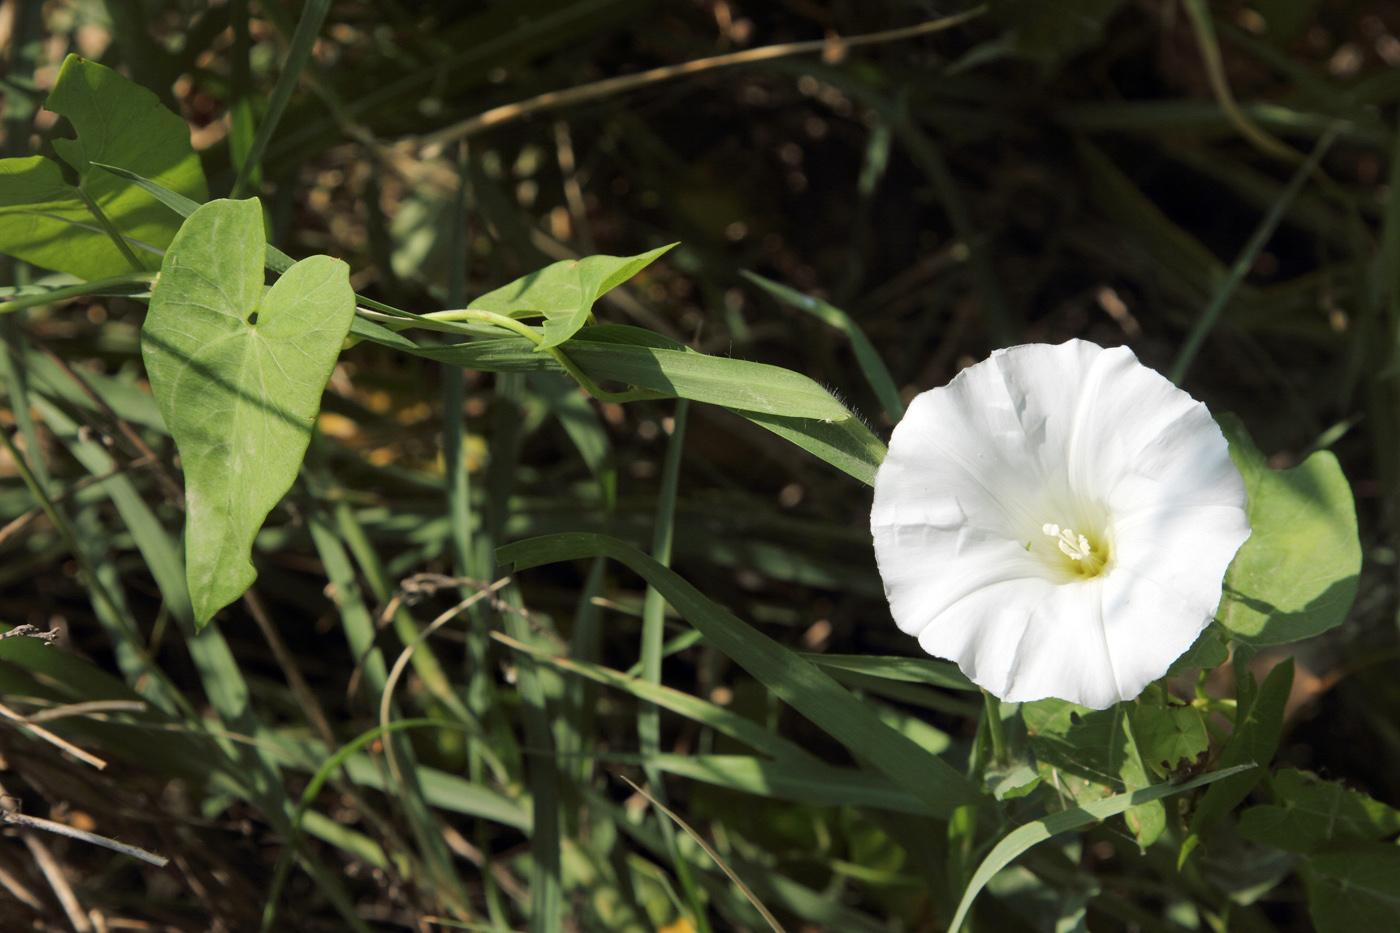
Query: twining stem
pixel 528 332
pixel 995 728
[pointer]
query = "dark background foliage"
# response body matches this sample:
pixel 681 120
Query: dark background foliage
pixel 1039 172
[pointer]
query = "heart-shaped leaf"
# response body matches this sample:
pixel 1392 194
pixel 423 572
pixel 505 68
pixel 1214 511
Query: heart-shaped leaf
pixel 565 291
pixel 1355 890
pixel 1296 576
pixel 238 375
pixel 1309 814
pixel 44 214
pixel 1169 735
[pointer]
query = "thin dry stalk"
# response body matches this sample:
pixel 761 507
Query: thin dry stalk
pixel 433 143
pixel 53 874
pixel 40 732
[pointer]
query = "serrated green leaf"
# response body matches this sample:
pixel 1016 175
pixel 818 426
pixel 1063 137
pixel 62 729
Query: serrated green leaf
pixel 1167 736
pixel 44 217
pixel 1309 813
pixel 1297 574
pixel 1355 891
pixel 564 292
pixel 238 375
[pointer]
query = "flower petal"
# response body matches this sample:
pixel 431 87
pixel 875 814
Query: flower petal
pixel 1072 436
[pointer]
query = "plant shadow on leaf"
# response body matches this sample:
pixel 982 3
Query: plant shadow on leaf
pixel 1298 573
pixel 238 373
pixel 1278 627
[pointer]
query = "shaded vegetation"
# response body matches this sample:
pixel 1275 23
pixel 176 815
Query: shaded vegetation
pixel 1212 186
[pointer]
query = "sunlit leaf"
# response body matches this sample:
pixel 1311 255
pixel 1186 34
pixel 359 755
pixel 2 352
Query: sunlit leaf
pixel 1296 576
pixel 238 375
pixel 564 292
pixel 44 217
pixel 1088 754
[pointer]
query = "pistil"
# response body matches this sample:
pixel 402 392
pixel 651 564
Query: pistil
pixel 1076 547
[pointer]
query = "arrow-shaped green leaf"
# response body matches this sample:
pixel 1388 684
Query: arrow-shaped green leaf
pixel 238 375
pixel 45 216
pixel 565 291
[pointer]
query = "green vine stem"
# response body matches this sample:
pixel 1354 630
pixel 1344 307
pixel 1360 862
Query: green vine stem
pixel 995 728
pixel 460 315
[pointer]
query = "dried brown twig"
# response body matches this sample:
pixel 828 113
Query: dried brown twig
pixel 62 829
pixel 433 143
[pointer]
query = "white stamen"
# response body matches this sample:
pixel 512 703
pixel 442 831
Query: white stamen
pixel 1076 547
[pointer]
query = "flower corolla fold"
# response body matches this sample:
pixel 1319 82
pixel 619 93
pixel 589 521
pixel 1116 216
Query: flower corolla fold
pixel 1057 520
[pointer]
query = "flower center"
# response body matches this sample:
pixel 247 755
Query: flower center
pixel 1086 558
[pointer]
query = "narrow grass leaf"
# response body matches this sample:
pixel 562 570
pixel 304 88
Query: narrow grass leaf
pixel 798 682
pixel 736 384
pixel 803 782
pixel 313 14
pixel 768 917
pixel 848 444
pixel 871 365
pixel 1255 245
pixel 691 707
pixel 910 670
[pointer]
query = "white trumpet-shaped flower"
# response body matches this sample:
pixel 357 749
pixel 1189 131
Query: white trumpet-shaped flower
pixel 1058 521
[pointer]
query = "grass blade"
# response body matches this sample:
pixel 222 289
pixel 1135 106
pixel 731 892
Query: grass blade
pixel 1257 241
pixel 298 55
pixel 679 702
pixel 869 360
pixel 798 682
pixel 1021 839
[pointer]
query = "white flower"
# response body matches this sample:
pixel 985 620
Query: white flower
pixel 1058 521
